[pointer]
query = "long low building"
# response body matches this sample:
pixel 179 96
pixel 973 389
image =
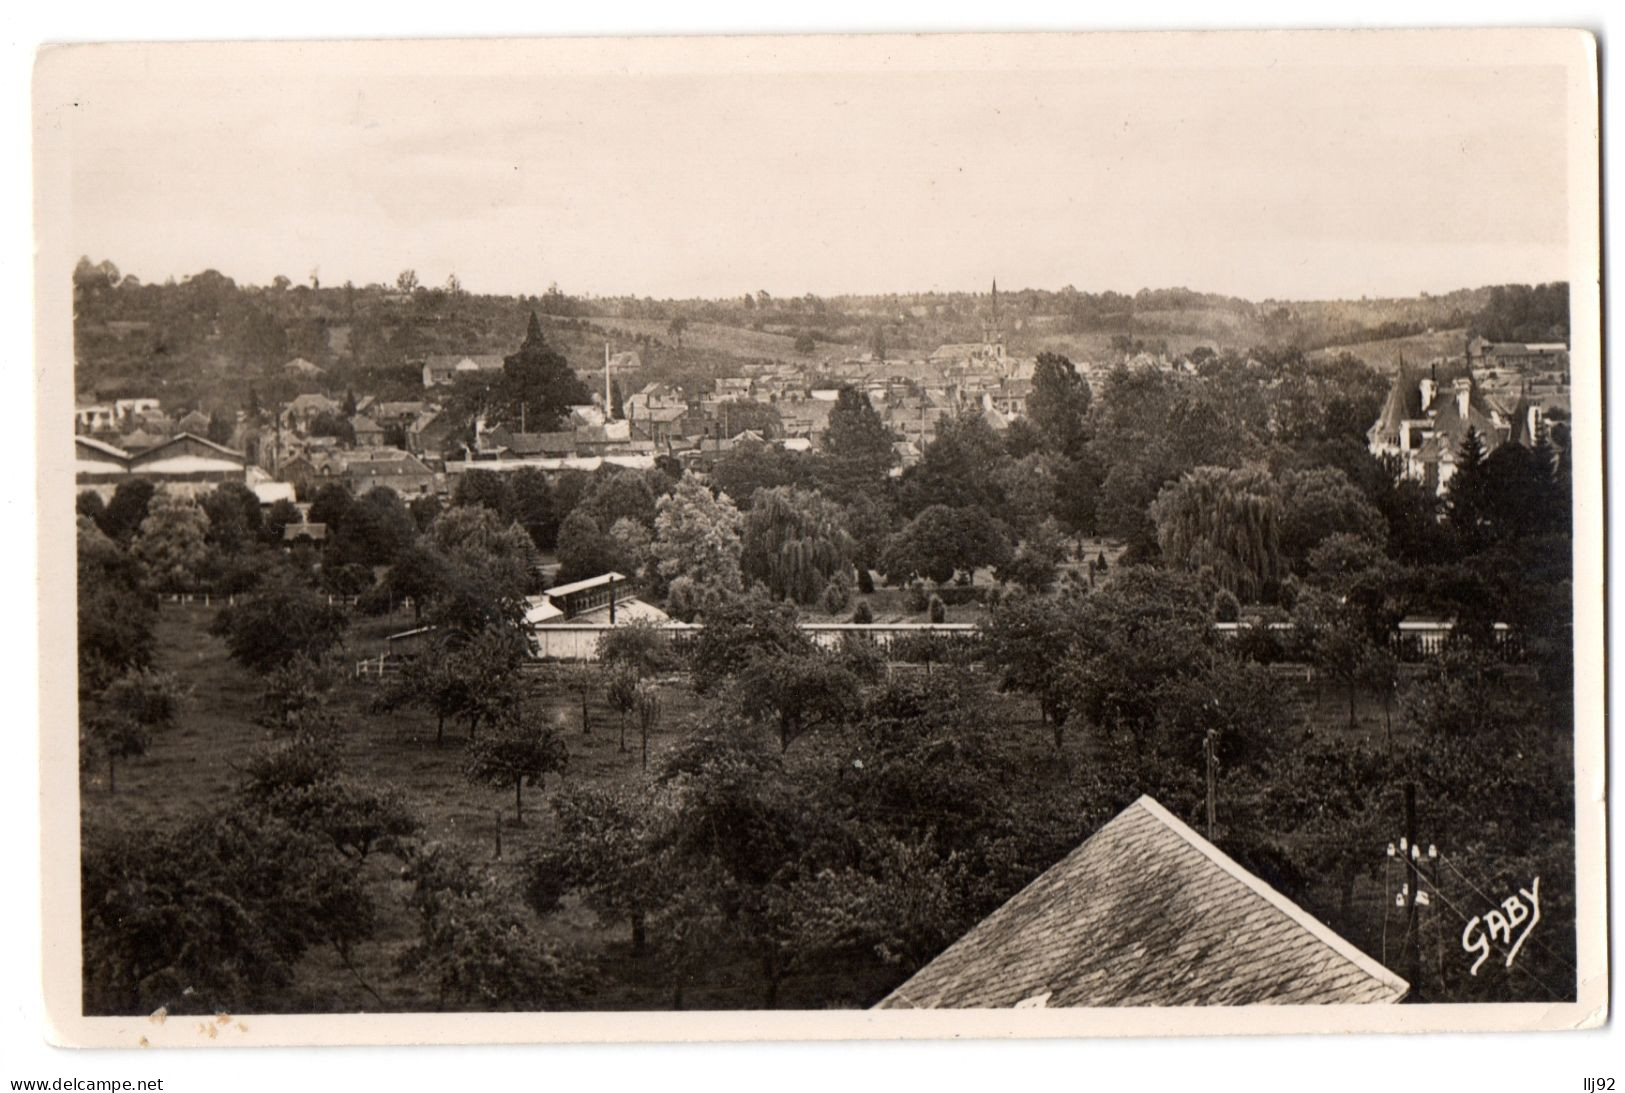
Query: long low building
pixel 186 463
pixel 551 465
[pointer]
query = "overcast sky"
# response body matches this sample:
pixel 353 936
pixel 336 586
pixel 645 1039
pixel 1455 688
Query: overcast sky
pixel 893 165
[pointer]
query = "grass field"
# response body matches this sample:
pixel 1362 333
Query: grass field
pixel 733 341
pixel 1416 349
pixel 194 766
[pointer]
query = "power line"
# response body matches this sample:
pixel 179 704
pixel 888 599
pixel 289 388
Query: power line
pixel 1433 883
pixel 1480 892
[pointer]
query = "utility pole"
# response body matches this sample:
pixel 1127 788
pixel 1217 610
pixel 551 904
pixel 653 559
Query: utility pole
pixel 1212 785
pixel 1413 939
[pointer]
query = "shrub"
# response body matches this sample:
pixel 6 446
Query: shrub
pixel 863 615
pixel 936 610
pixel 1226 608
pixel 346 580
pixel 837 595
pixel 687 598
pixel 915 598
pixel 960 595
pixel 866 581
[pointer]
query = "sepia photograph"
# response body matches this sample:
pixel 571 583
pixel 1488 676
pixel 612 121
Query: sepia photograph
pixel 656 538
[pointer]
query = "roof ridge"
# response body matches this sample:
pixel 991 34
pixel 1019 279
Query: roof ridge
pixel 1325 934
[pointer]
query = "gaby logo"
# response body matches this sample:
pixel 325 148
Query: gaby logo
pixel 1522 909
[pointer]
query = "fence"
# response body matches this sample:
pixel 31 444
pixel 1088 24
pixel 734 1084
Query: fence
pixel 378 668
pixel 215 599
pixel 920 642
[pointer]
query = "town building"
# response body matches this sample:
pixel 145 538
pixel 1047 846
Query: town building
pixel 1426 417
pixel 440 369
pixel 185 464
pixel 400 471
pixel 94 417
pixel 567 620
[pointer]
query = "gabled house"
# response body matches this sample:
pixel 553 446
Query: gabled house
pixel 440 369
pixel 299 413
pixel 195 422
pixel 189 464
pixel 94 417
pixel 299 366
pixel 368 433
pixel 404 473
pixel 1146 912
pixel 1425 419
pixel 99 466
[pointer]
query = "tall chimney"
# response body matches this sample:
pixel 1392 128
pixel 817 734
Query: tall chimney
pixel 608 403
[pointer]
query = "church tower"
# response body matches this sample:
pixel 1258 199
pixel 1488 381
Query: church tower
pixel 992 330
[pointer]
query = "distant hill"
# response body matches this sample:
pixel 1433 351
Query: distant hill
pixel 207 341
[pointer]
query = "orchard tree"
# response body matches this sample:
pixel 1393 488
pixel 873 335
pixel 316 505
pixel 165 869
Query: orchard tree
pixel 738 628
pixel 1140 628
pixel 621 693
pixel 486 668
pixel 212 915
pixel 1338 640
pixel 1025 638
pixel 522 751
pixel 608 850
pixel 477 946
pixel 116 611
pixel 798 692
pixel 642 646
pixel 282 619
pixel 134 708
pixel 648 709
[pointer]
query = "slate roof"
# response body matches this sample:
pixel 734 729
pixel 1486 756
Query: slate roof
pixel 553 443
pixel 1147 913
pixel 386 468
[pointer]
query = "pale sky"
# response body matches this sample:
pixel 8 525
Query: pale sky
pixel 800 166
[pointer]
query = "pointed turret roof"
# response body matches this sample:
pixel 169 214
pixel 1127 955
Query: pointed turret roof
pixel 1404 402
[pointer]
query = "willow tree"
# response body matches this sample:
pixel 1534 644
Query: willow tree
pixel 794 541
pixel 1225 521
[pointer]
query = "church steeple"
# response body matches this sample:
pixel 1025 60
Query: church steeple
pixel 992 332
